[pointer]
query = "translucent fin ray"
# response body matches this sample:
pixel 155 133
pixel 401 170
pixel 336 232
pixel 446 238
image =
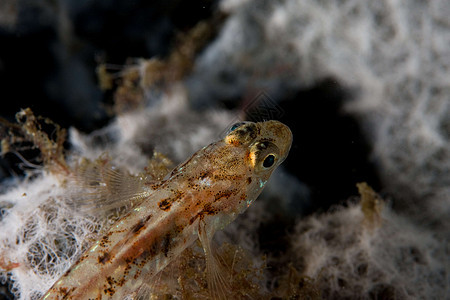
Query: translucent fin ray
pixel 215 274
pixel 106 187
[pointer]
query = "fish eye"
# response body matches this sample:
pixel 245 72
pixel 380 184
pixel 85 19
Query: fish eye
pixel 264 155
pixel 235 126
pixel 241 133
pixel 269 161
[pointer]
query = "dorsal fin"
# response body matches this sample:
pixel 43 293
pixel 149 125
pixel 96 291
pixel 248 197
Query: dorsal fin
pixel 107 187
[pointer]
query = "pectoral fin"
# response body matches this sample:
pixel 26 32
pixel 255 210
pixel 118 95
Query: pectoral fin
pixel 215 274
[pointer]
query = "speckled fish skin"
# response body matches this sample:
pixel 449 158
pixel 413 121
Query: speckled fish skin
pixel 210 189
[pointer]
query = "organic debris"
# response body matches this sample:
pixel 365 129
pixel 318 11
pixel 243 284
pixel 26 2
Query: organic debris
pixel 371 205
pixel 28 134
pixel 295 286
pixel 185 278
pixel 141 76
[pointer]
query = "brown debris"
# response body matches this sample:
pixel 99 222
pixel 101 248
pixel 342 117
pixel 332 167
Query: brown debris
pixel 7 265
pixel 142 75
pixel 296 286
pixel 185 278
pixel 8 13
pixel 158 166
pixel 105 79
pixel 371 205
pixel 14 137
pixel 129 94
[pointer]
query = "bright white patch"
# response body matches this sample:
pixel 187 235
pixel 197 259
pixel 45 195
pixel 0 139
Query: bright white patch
pixel 205 181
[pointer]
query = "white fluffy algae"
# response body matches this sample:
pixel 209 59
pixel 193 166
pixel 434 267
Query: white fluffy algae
pixel 40 236
pixel 398 260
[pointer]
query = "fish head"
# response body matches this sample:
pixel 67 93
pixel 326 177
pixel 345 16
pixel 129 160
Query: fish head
pixel 265 146
pixel 225 177
pixel 243 161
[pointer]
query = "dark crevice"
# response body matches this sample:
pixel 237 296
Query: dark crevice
pixel 330 153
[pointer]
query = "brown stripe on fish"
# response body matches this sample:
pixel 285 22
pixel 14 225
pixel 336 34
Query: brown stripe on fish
pixel 166 203
pixel 141 224
pixel 65 292
pixel 166 244
pixel 208 209
pixel 104 258
pixel 225 194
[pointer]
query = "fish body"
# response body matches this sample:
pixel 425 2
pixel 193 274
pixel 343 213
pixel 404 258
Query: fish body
pixel 199 197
